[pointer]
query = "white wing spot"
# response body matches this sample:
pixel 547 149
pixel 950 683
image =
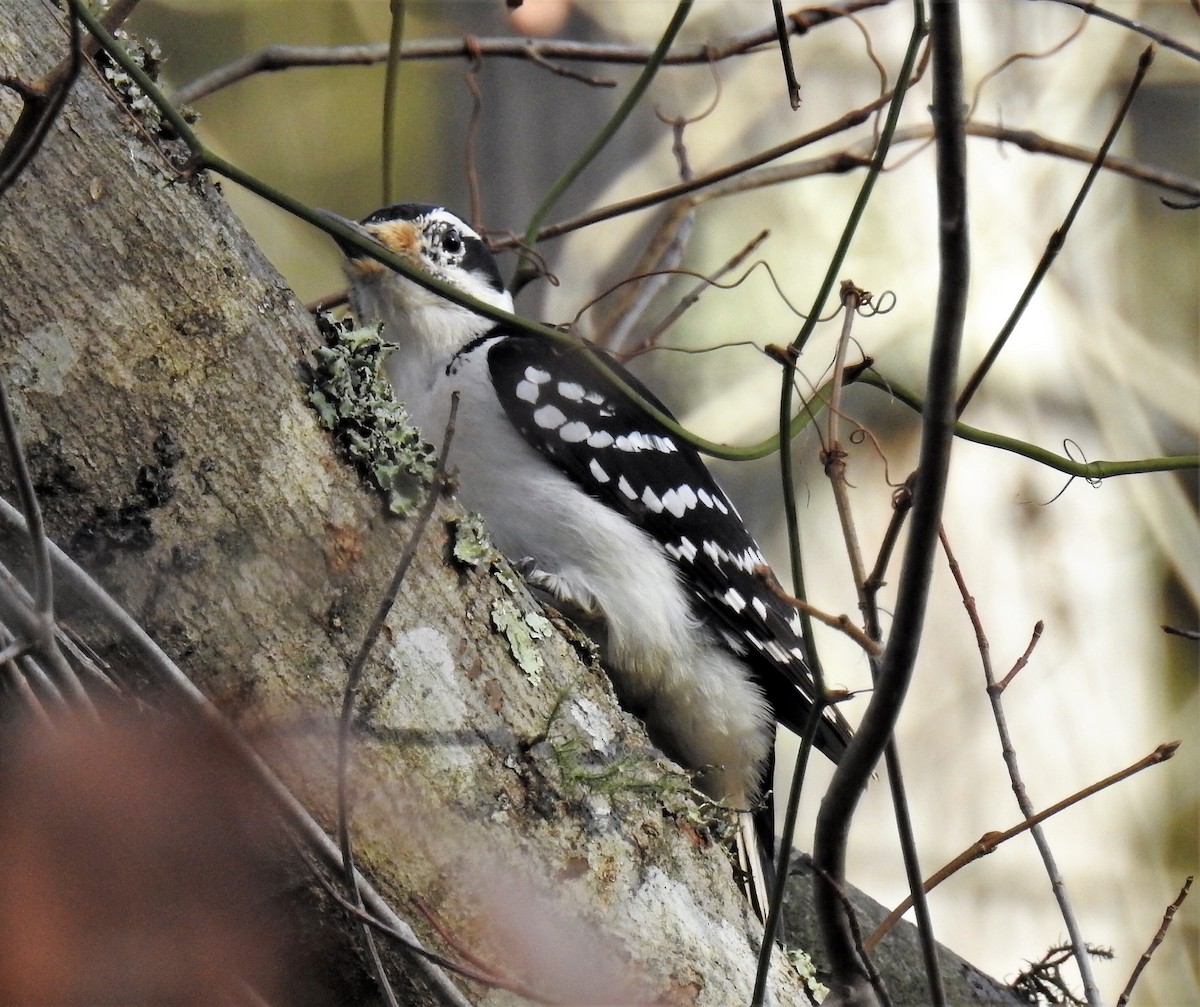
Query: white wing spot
pixel 795 624
pixel 720 505
pixel 687 548
pixel 600 439
pixel 652 501
pixel 749 560
pixel 734 599
pixel 595 398
pixel 624 487
pixel 704 497
pixel 574 432
pixel 714 551
pixel 570 390
pixel 549 418
pixel 527 390
pixel 680 500
pixel 675 502
pixel 759 607
pixel 597 471
pixel 778 654
pixel 536 375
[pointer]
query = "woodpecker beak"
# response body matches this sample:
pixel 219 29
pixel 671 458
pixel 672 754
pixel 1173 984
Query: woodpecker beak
pixel 401 237
pixel 349 250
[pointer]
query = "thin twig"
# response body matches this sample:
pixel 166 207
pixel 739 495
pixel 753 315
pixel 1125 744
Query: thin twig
pixel 1023 660
pixel 785 52
pixel 1057 239
pixel 286 57
pixel 1169 915
pixel 937 434
pixel 835 454
pixel 1187 634
pixel 988 842
pixel 691 297
pixel 471 167
pixel 663 254
pixel 43 580
pixel 1078 945
pixel 42 101
pixel 633 96
pixel 391 93
pixel 354 674
pixel 835 470
pixel 901 505
pixel 860 155
pixel 873 974
pixel 1162 38
pixel 849 120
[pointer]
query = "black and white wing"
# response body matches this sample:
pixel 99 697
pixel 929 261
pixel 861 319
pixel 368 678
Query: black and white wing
pixel 574 415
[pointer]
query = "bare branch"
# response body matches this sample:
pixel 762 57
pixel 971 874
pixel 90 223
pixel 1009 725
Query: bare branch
pixel 1057 240
pixel 286 57
pixel 988 842
pixel 1162 38
pixel 1158 938
pixel 937 434
pixel 1078 945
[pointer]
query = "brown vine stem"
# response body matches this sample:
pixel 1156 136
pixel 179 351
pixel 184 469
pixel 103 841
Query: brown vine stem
pixel 287 57
pixel 1159 937
pixel 912 596
pixel 1079 947
pixel 988 842
pixel 1162 38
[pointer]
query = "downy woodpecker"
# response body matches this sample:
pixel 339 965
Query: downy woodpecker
pixel 601 506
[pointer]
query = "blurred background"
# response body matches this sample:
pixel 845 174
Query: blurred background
pixel 1105 361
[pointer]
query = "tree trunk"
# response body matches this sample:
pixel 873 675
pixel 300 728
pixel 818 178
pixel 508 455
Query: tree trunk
pixel 157 365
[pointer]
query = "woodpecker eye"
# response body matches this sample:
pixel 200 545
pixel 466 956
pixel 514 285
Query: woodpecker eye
pixel 452 244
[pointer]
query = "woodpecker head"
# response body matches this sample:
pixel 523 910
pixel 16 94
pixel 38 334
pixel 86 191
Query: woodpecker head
pixel 437 242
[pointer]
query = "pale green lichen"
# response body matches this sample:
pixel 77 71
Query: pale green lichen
pixel 353 399
pixel 471 547
pixel 803 964
pixel 145 52
pixel 630 774
pixel 522 633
